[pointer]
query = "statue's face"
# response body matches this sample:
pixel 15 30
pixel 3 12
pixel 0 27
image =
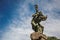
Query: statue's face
pixel 36 7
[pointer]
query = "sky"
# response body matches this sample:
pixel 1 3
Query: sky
pixel 16 16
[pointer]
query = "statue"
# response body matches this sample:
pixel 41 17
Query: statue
pixel 36 26
pixel 37 18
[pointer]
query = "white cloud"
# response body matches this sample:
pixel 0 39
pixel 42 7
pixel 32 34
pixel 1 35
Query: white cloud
pixel 52 27
pixel 19 33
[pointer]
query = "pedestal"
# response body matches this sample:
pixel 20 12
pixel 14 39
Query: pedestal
pixel 38 36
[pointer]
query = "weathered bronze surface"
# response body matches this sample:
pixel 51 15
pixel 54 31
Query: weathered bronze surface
pixel 37 18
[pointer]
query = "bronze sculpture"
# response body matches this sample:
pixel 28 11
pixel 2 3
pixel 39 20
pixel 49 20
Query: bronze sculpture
pixel 37 18
pixel 36 26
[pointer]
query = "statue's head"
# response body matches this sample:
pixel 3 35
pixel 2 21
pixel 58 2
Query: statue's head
pixel 36 8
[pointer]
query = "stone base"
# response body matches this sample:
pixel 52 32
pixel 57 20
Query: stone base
pixel 38 36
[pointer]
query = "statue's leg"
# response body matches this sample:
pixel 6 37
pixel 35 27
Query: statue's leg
pixel 40 29
pixel 35 28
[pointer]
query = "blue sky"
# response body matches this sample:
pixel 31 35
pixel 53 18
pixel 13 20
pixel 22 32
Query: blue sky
pixel 16 15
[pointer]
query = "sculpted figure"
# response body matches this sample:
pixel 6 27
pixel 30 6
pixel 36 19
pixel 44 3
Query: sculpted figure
pixel 37 18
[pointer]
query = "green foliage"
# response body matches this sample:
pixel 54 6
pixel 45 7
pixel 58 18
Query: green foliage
pixel 52 38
